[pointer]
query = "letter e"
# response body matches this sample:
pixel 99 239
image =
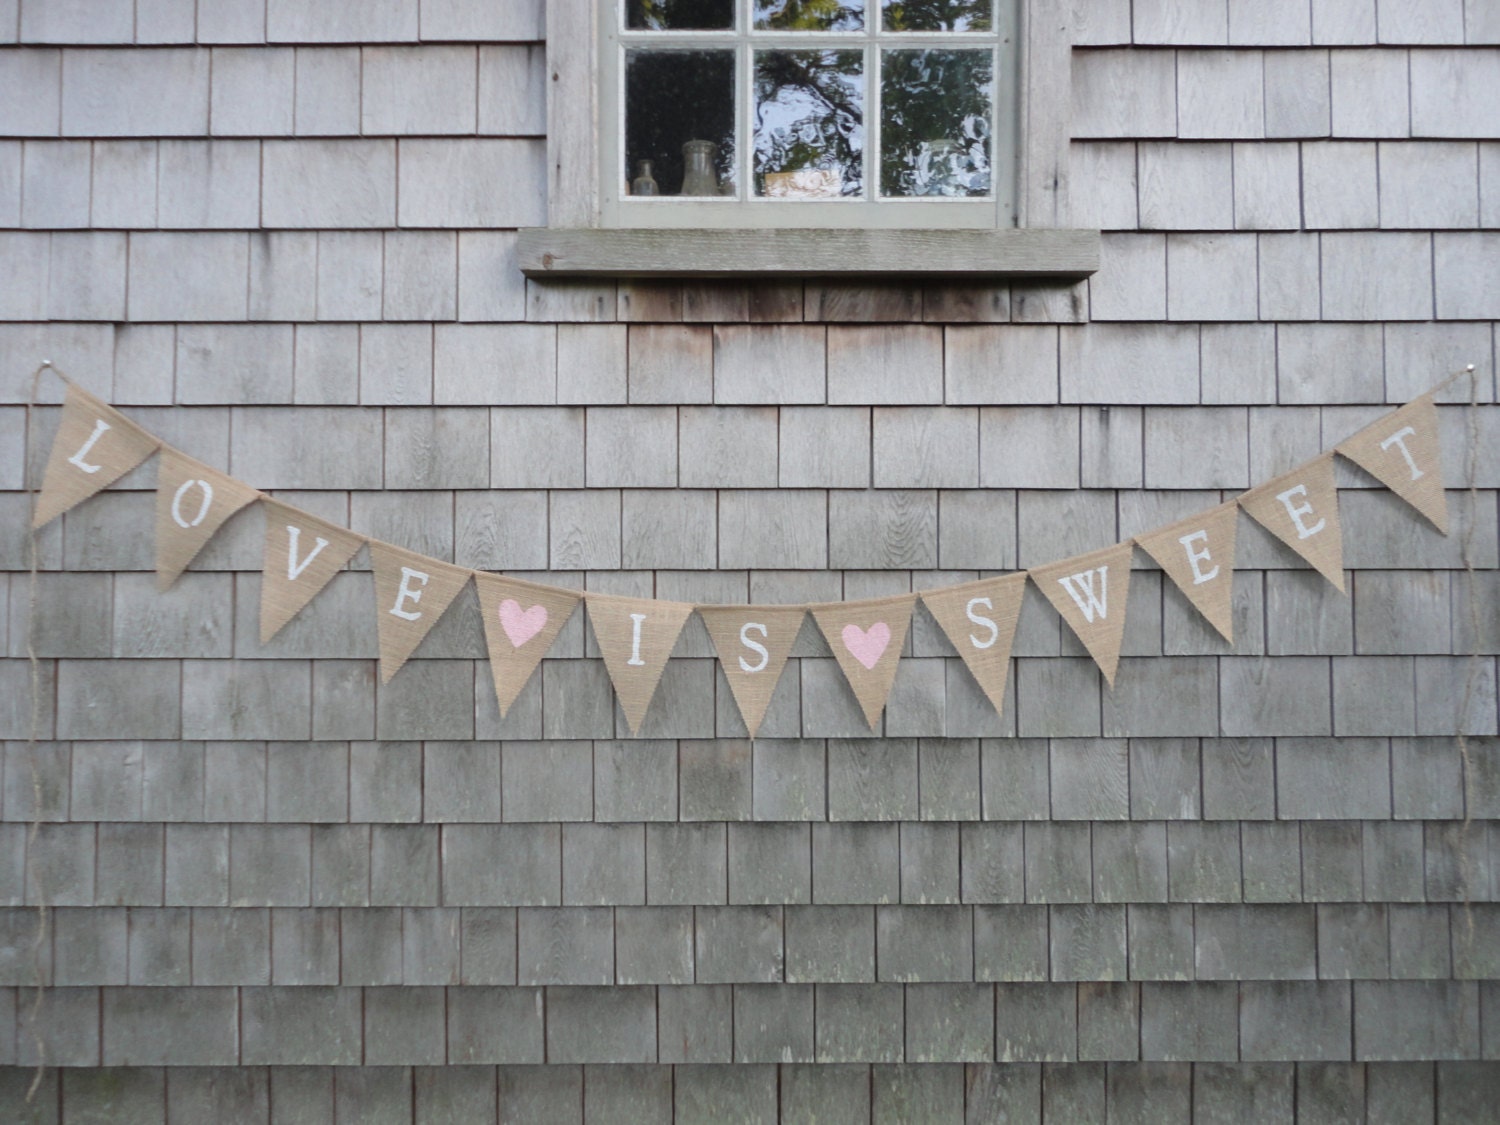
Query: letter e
pixel 406 593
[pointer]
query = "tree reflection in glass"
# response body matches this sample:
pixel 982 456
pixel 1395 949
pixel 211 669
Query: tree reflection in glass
pixel 937 15
pixel 935 116
pixel 679 15
pixel 809 124
pixel 809 15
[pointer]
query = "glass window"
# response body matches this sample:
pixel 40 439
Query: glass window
pixel 674 99
pixel 936 15
pixel 881 112
pixel 679 15
pixel 809 124
pixel 935 112
pixel 809 15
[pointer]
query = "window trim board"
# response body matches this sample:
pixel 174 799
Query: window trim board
pixel 1006 253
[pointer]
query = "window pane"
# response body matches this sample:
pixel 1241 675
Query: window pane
pixel 809 15
pixel 672 99
pixel 937 15
pixel 809 124
pixel 677 15
pixel 935 113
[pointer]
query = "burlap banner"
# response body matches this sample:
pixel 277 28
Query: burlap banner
pixel 1198 555
pixel 192 502
pixel 521 620
pixel 979 618
pixel 411 593
pixel 1401 452
pixel 302 556
pixel 1301 508
pixel 1090 592
pixel 635 637
pixel 95 446
pixel 753 643
pixel 866 638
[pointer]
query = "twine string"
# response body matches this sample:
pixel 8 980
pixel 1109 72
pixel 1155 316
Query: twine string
pixel 1468 862
pixel 33 740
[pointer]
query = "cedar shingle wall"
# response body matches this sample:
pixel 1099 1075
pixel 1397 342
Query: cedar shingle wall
pixel 1252 881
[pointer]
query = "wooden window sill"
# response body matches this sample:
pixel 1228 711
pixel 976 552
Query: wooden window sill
pixel 1008 254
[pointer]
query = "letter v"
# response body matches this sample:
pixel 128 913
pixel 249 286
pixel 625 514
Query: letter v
pixel 294 568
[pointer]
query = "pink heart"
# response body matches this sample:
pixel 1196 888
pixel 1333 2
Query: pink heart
pixel 866 645
pixel 521 625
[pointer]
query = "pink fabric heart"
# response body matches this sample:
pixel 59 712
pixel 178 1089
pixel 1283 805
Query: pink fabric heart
pixel 521 625
pixel 866 645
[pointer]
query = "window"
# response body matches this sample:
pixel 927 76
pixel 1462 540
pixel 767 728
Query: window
pixel 870 113
pixel 753 137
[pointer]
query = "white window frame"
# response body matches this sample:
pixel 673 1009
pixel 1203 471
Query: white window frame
pixel 872 210
pixel 577 241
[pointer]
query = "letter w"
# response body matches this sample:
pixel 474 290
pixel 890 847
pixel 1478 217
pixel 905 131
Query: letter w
pixel 1088 604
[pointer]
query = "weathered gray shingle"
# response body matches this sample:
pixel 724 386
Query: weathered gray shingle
pixel 1181 1021
pixel 695 1024
pixel 1035 1023
pixel 301 1025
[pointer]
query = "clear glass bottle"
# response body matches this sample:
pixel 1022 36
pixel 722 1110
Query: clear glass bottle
pixel 698 176
pixel 644 182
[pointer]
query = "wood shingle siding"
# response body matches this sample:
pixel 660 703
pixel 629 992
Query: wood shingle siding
pixel 1257 880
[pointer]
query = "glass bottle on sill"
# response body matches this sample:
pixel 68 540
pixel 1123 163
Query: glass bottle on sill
pixel 644 182
pixel 698 176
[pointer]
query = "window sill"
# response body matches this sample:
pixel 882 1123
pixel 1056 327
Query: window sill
pixel 1009 254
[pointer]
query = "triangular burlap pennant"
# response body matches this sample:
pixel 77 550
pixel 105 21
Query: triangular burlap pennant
pixel 1401 452
pixel 1198 554
pixel 753 642
pixel 521 620
pixel 866 638
pixel 303 554
pixel 1090 592
pixel 95 446
pixel 411 593
pixel 192 502
pixel 979 618
pixel 636 636
pixel 1301 508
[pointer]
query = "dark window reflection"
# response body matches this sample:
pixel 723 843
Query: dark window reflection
pixel 671 98
pixel 809 123
pixel 809 15
pixel 935 122
pixel 937 15
pixel 678 15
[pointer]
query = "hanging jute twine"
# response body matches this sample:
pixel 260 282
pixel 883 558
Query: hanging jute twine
pixel 33 877
pixel 1475 666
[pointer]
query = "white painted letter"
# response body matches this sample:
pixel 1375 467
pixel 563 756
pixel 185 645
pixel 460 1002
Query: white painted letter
pixel 635 641
pixel 294 568
pixel 208 498
pixel 1297 511
pixel 1195 557
pixel 405 593
pixel 1092 604
pixel 754 646
pixel 980 619
pixel 1396 440
pixel 100 425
